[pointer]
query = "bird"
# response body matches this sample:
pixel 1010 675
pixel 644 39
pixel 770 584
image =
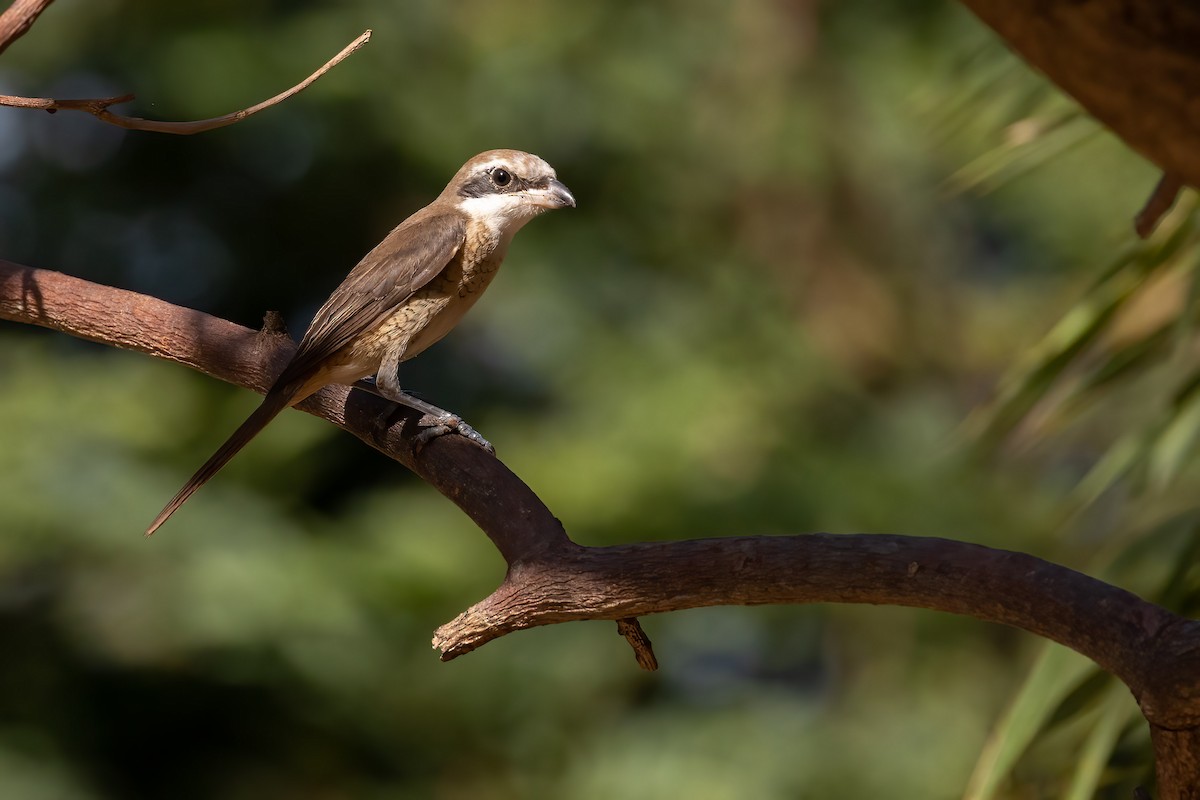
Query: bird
pixel 405 294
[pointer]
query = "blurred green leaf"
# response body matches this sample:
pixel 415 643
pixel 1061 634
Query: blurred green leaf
pixel 1177 440
pixel 1031 143
pixel 1115 711
pixel 1053 676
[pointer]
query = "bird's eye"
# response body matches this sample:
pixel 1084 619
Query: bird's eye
pixel 501 177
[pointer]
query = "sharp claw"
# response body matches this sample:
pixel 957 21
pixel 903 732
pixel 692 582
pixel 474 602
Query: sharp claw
pixel 433 427
pixel 427 434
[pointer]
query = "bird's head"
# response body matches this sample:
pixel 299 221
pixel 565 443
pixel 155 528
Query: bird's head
pixel 506 188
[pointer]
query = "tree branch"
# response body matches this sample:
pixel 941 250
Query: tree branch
pixel 19 18
pixel 551 579
pixel 99 107
pixel 993 585
pixel 1132 65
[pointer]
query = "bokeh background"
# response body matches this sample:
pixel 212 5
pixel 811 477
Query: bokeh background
pixel 843 267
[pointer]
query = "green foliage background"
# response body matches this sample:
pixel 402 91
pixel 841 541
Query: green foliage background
pixel 811 241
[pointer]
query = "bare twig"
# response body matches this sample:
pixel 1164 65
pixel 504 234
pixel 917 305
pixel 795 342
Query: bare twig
pixel 19 18
pixel 92 106
pixel 99 107
pixel 551 579
pixel 1160 203
pixel 643 650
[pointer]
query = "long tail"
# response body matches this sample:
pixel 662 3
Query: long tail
pixel 276 400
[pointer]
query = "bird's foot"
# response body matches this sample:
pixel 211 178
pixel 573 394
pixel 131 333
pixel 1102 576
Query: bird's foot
pixel 435 425
pixel 435 422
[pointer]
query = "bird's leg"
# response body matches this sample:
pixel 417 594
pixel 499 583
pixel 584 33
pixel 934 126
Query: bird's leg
pixel 436 422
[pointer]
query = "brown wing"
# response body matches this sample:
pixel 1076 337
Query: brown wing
pixel 410 257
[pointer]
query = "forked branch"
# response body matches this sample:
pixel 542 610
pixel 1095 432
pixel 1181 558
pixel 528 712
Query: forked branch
pixel 99 107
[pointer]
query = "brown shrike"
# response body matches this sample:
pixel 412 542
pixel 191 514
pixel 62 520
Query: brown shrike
pixel 406 294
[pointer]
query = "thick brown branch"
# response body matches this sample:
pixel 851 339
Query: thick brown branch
pixel 1109 625
pixel 551 579
pixel 499 502
pixel 1133 65
pixel 19 18
pixel 99 107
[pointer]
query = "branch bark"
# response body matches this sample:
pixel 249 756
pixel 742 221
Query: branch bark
pixel 551 579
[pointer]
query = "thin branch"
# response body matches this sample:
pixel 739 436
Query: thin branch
pixel 99 107
pixel 1160 202
pixel 94 106
pixel 18 19
pixel 551 579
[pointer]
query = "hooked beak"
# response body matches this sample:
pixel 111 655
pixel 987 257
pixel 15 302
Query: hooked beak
pixel 554 194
